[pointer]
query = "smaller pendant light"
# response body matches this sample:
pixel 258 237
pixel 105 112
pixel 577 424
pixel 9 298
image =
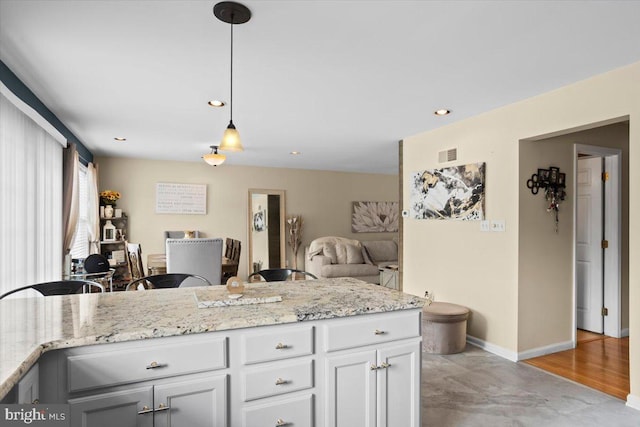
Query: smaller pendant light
pixel 213 158
pixel 231 13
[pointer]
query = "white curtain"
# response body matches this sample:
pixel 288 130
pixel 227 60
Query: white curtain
pixel 31 202
pixel 93 211
pixel 70 201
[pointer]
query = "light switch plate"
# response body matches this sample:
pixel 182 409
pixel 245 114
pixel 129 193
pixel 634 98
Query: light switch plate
pixel 484 225
pixel 498 225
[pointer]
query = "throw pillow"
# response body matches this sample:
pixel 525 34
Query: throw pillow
pixel 354 254
pixel 329 250
pixel 341 253
pixel 365 256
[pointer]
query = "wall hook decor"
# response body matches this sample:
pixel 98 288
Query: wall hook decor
pixel 553 183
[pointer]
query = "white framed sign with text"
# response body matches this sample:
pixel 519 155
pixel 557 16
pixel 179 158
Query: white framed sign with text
pixel 176 198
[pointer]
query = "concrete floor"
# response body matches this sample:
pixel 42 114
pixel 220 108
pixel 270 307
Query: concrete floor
pixel 477 388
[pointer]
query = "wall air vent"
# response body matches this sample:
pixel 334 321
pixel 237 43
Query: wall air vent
pixel 448 155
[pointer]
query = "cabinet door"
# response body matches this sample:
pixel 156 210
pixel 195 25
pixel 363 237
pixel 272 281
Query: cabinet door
pixel 193 403
pixel 351 390
pixel 28 387
pixel 120 408
pixel 399 386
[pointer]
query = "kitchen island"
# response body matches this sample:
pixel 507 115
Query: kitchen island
pixel 336 339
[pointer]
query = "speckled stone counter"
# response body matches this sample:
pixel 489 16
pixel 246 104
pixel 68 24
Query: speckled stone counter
pixel 31 326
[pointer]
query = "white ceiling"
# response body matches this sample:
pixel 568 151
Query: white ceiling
pixel 340 81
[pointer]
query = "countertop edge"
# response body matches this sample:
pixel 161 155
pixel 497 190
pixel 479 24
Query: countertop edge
pixel 13 379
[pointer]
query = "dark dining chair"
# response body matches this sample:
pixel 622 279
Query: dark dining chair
pixel 232 253
pixel 169 280
pixel 280 274
pixel 61 287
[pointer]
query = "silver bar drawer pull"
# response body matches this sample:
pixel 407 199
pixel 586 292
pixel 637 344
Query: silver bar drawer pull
pixel 374 367
pixel 281 346
pixel 385 365
pixel 280 422
pixel 156 365
pixel 162 407
pixel 145 410
pixel 379 332
pixel 280 381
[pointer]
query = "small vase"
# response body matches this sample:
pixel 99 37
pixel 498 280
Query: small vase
pixel 108 211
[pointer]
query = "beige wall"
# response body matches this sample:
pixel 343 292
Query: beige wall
pixel 485 270
pixel 323 199
pixel 545 274
pixel 555 292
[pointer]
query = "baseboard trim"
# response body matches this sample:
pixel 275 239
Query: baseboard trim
pixel 515 357
pixel 492 348
pixel 624 333
pixel 633 401
pixel 547 349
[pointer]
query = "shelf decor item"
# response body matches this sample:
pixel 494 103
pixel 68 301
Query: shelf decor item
pixel 108 211
pixel 109 232
pixel 294 225
pixel 109 197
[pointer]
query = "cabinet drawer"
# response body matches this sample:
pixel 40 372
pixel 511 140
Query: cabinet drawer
pixel 127 365
pixel 295 412
pixel 371 329
pixel 277 379
pixel 276 344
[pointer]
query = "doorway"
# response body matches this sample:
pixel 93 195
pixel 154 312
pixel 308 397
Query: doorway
pixel 597 239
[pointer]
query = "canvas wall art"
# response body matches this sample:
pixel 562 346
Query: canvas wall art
pixel 455 192
pixel 374 217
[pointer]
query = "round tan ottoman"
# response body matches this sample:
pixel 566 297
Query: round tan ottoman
pixel 444 328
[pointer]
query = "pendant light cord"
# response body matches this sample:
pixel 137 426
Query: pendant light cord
pixel 231 99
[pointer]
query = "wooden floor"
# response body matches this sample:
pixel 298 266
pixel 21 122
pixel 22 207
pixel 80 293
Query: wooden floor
pixel 598 361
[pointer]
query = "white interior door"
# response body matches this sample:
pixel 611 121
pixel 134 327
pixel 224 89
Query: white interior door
pixel 589 262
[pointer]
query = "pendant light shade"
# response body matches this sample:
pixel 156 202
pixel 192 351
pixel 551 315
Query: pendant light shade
pixel 231 139
pixel 231 13
pixel 213 158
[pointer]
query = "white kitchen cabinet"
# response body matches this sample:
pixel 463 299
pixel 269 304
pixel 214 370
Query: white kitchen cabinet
pixel 119 408
pixel 351 390
pixel 277 381
pixel 378 383
pixel 194 403
pixel 199 402
pixel 357 371
pixel 399 385
pixel 29 386
pixel 290 412
pixel 179 381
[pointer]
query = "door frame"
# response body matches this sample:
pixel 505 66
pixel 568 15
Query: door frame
pixel 612 202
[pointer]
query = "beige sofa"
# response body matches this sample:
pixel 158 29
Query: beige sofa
pixel 329 257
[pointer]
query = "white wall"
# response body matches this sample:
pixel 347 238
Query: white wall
pixel 484 271
pixel 323 198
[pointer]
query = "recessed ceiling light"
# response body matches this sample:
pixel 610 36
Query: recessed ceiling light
pixel 442 112
pixel 295 153
pixel 120 139
pixel 216 103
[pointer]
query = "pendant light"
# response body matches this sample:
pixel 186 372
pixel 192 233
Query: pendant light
pixel 213 158
pixel 231 13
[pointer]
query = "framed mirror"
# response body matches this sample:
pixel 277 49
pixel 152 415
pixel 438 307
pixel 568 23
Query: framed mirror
pixel 266 230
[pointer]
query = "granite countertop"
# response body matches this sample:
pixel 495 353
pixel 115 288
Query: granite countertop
pixel 31 326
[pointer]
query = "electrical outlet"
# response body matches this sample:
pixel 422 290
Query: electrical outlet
pixel 484 225
pixel 498 225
